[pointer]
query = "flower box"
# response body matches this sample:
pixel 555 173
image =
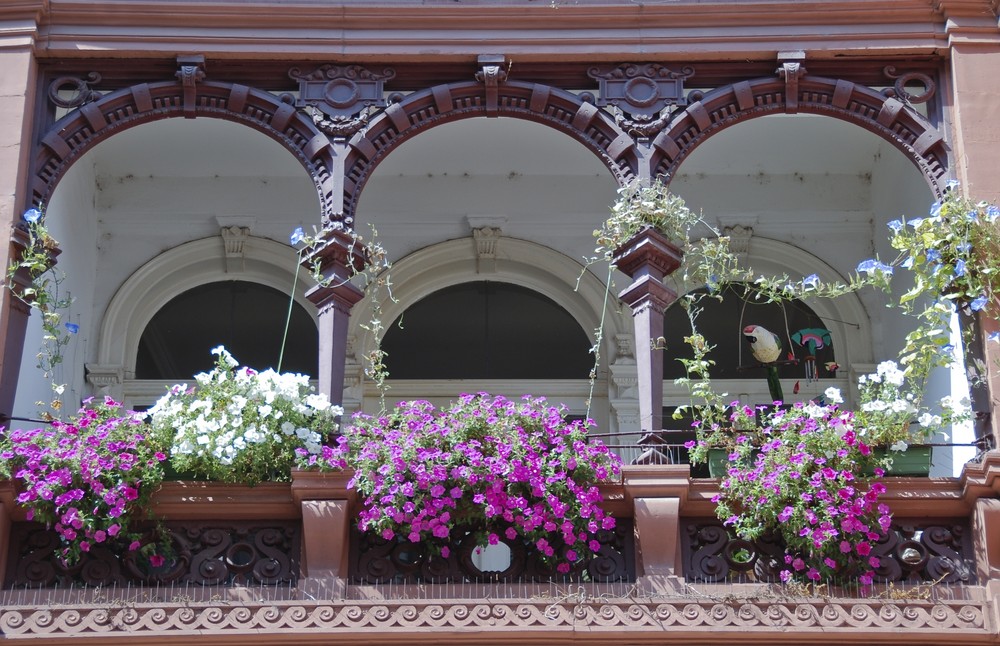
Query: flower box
pixel 914 461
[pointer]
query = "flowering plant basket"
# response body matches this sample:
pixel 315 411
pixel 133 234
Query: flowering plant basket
pixel 507 470
pixel 89 477
pixel 242 426
pixel 802 486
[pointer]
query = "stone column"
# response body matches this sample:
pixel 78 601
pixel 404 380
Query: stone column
pixel 974 40
pixel 647 258
pixel 339 256
pixel 18 80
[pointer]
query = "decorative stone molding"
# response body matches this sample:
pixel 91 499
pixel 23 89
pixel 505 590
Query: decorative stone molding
pixel 107 380
pixel 339 98
pixel 790 70
pixel 234 239
pixel 901 79
pixel 641 91
pixel 576 616
pixel 739 241
pixel 81 90
pixel 190 72
pixel 491 74
pixel 486 239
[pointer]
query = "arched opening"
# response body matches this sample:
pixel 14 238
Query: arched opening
pixel 165 206
pixel 486 330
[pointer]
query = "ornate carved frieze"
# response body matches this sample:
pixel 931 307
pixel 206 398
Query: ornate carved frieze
pixel 907 554
pixel 577 616
pixel 339 97
pixel 204 553
pixel 79 90
pixel 376 560
pixel 641 91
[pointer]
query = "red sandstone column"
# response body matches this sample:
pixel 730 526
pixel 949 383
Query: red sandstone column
pixel 974 97
pixel 18 78
pixel 647 258
pixel 338 255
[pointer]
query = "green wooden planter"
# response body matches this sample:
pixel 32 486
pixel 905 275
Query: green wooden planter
pixel 914 461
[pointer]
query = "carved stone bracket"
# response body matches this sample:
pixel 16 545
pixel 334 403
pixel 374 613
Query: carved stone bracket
pixel 641 91
pixel 901 79
pixel 234 238
pixel 492 74
pixel 190 72
pixel 107 379
pixel 739 241
pixel 82 92
pixel 340 97
pixel 791 70
pixel 486 232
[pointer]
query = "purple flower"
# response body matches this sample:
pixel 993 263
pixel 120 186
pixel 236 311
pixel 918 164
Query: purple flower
pixel 297 236
pixel 978 303
pixel 32 215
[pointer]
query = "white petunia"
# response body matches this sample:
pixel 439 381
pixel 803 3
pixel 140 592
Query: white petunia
pixel 833 395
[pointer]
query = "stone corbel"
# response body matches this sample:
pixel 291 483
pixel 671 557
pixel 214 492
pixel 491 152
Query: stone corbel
pixel 190 72
pixel 486 233
pixel 106 379
pixel 739 241
pixel 791 69
pixel 492 74
pixel 234 238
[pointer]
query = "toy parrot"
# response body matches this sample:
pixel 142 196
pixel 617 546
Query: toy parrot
pixel 812 339
pixel 766 348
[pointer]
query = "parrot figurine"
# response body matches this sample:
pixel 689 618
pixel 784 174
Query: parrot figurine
pixel 766 348
pixel 812 339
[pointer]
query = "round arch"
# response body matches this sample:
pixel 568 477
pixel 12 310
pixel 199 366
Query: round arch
pixel 176 271
pixel 571 114
pixel 275 116
pixel 519 262
pixel 887 117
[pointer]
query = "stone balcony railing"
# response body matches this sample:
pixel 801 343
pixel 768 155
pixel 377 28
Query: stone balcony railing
pixel 282 558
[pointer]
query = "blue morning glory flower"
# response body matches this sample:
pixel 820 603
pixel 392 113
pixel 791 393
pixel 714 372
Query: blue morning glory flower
pixel 32 215
pixel 73 328
pixel 908 263
pixel 960 267
pixel 964 247
pixel 896 225
pixel 933 255
pixel 871 266
pixel 916 222
pixel 992 213
pixel 297 236
pixel 951 184
pixel 811 281
pixel 935 209
pixel 994 336
pixel 978 304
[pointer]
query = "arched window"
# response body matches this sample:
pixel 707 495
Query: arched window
pixel 486 330
pixel 248 318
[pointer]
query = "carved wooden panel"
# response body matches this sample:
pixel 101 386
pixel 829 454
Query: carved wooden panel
pixel 910 552
pixel 205 553
pixel 376 560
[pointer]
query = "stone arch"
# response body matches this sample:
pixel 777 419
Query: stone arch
pixel 170 274
pixel 726 106
pixel 574 115
pixel 275 116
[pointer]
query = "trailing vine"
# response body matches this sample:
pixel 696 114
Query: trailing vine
pixel 41 291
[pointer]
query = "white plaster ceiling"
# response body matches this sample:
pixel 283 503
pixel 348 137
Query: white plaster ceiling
pixel 489 147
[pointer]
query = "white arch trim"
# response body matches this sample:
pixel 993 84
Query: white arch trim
pixel 519 262
pixel 182 268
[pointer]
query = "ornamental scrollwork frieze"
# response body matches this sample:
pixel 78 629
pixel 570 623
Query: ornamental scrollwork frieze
pixel 902 79
pixel 642 92
pixel 340 98
pixel 71 92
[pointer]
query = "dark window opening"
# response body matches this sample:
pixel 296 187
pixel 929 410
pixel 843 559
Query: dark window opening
pixel 722 323
pixel 487 330
pixel 247 318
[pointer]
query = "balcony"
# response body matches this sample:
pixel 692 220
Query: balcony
pixel 283 558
